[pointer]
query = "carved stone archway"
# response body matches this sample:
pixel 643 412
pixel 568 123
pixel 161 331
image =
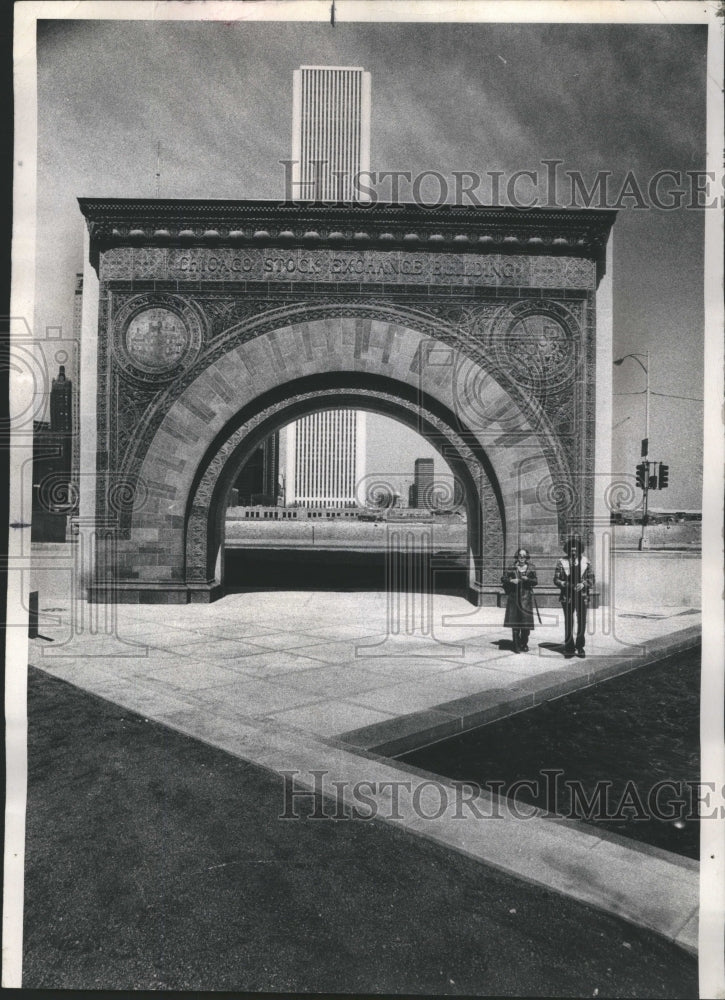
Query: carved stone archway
pixel 424 381
pixel 213 319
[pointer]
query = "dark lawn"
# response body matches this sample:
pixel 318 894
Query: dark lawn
pixel 155 861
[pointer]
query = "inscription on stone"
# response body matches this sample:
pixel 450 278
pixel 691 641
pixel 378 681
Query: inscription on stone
pixel 389 267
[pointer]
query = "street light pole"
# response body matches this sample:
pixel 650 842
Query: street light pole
pixel 645 442
pixel 642 538
pixel 646 412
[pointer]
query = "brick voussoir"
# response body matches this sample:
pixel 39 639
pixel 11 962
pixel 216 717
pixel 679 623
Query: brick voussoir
pixel 195 405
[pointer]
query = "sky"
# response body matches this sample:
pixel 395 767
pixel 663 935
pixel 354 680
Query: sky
pixel 445 97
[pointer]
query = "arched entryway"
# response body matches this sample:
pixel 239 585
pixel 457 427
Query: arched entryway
pixel 501 452
pixel 469 464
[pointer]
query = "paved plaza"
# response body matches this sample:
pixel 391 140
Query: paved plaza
pixel 315 681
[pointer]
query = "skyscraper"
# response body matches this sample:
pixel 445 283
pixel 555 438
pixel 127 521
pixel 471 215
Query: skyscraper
pixel 258 482
pixel 420 494
pixel 75 366
pixel 325 455
pixel 325 458
pixel 330 131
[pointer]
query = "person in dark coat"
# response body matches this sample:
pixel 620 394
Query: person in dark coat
pixel 575 579
pixel 519 583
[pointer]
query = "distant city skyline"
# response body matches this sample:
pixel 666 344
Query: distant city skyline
pixel 393 466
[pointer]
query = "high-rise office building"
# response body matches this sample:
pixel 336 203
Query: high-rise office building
pixel 325 455
pixel 75 366
pixel 421 492
pixel 258 482
pixel 325 459
pixel 52 444
pixel 330 131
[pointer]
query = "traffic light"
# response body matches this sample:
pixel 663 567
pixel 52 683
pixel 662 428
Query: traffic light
pixel 664 476
pixel 642 475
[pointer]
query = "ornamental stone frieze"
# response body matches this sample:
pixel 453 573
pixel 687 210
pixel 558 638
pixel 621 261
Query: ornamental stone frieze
pixel 465 229
pixel 390 267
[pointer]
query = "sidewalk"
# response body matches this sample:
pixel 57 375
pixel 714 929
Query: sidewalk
pixel 313 681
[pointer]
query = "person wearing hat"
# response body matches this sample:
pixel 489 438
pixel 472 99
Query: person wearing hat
pixel 519 583
pixel 575 579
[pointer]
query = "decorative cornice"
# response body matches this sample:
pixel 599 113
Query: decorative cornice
pixel 118 222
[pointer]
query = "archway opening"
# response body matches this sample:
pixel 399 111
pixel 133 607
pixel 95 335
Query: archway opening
pixel 471 472
pixel 323 502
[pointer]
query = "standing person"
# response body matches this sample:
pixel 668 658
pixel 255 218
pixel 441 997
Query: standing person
pixel 519 583
pixel 575 579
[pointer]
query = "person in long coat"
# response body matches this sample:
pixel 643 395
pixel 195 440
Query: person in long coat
pixel 519 583
pixel 575 579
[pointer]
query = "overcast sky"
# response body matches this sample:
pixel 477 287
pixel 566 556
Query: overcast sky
pixel 218 97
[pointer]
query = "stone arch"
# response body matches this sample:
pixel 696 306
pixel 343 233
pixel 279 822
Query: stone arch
pixel 460 400
pixel 207 502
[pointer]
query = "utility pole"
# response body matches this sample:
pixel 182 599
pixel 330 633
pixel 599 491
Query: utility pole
pixel 645 456
pixel 643 476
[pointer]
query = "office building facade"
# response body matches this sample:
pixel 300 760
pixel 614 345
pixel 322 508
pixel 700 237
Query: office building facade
pixel 421 492
pixel 330 131
pixel 325 459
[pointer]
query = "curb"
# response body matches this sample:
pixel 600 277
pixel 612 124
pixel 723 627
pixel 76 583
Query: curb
pixel 417 729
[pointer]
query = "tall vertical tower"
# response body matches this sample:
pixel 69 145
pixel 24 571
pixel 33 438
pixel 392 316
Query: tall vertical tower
pixel 76 381
pixel 421 491
pixel 325 455
pixel 330 131
pixel 325 458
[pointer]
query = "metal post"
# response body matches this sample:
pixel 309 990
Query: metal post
pixel 646 411
pixel 643 539
pixel 645 443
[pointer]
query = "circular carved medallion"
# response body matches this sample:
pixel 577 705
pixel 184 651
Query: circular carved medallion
pixel 538 342
pixel 157 339
pixel 157 336
pixel 535 345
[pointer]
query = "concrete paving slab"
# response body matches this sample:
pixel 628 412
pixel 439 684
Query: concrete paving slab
pixel 324 717
pixel 420 646
pixel 219 649
pixel 408 667
pixel 189 675
pixel 337 651
pixel 429 693
pixel 289 640
pixel 343 631
pixel 89 675
pixel 230 629
pixel 254 697
pixel 480 676
pixel 275 662
pixel 87 646
pixel 229 733
pixel 138 698
pixel 332 681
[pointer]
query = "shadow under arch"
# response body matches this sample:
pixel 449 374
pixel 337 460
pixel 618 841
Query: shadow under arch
pixel 235 443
